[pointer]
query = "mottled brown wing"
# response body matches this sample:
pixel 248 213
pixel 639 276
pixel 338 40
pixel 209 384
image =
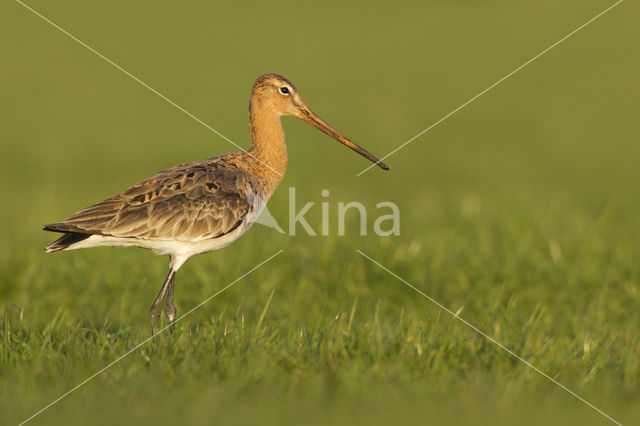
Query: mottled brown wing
pixel 191 202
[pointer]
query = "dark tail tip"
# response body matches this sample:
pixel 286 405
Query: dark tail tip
pixel 65 241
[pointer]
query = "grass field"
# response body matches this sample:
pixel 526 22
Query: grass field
pixel 519 212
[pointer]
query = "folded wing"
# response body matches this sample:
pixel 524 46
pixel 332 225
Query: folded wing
pixel 190 203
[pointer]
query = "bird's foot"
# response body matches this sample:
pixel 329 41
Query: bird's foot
pixel 155 317
pixel 171 312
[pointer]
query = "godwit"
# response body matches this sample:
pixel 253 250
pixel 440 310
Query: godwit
pixel 201 206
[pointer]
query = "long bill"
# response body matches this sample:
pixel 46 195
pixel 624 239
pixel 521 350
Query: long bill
pixel 310 117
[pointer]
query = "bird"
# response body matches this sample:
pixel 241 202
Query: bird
pixel 201 206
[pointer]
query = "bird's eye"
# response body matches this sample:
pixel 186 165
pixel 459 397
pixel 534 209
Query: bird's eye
pixel 284 90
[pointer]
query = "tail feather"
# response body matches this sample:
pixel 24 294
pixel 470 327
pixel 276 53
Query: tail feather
pixel 67 240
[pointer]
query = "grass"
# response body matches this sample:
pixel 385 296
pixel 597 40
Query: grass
pixel 519 213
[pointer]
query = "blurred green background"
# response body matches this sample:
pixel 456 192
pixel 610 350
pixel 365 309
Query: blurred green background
pixel 521 210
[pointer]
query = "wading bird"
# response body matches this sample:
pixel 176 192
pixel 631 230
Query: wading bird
pixel 201 206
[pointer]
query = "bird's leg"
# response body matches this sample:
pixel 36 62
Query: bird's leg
pixel 169 308
pixel 155 308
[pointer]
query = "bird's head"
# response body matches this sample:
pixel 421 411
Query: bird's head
pixel 274 93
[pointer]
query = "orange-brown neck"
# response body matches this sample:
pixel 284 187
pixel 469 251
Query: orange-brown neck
pixel 267 142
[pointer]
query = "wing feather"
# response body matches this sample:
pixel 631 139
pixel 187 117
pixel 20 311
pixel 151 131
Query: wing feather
pixel 191 202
